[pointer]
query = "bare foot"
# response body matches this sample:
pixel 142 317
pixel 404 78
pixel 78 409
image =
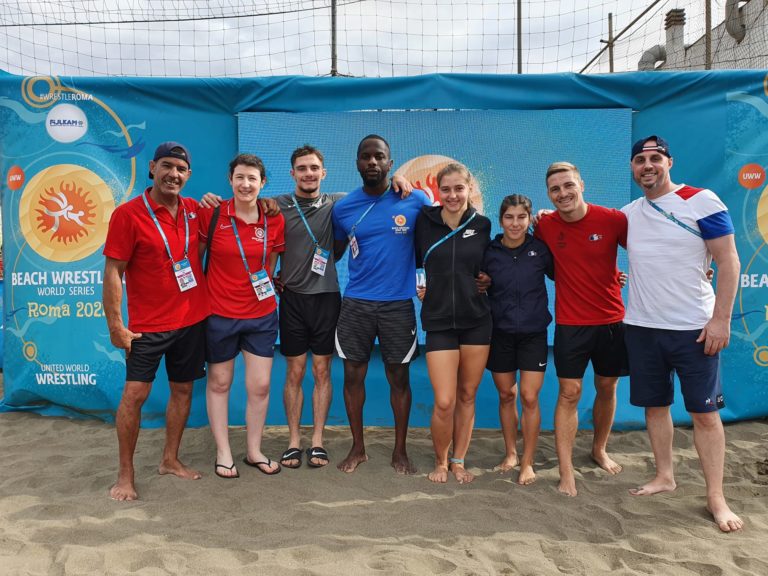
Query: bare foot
pixel 655 486
pixel 402 464
pixel 606 462
pixel 567 485
pixel 527 475
pixel 123 490
pixel 178 469
pixel 509 462
pixel 726 520
pixel 439 474
pixel 352 461
pixel 461 474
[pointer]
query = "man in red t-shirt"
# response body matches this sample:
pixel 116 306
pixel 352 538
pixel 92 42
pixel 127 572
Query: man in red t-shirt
pixel 584 239
pixel 153 242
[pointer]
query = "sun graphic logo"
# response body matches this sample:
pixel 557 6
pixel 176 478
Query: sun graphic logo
pixel 400 220
pixel 64 212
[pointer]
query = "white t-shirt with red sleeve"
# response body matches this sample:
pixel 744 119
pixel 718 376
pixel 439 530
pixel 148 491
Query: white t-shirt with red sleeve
pixel 668 262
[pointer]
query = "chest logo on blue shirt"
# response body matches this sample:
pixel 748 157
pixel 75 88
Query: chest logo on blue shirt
pixel 532 253
pixel 400 224
pixel 595 237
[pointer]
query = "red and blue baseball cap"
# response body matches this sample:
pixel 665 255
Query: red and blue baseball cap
pixel 172 149
pixel 642 146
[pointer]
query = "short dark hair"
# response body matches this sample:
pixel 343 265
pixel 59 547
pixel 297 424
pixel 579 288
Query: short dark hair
pixel 515 200
pixel 557 167
pixel 248 160
pixel 306 150
pixel 373 137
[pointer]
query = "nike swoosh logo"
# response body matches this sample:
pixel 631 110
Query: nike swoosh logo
pixel 413 332
pixel 224 226
pixel 540 364
pixel 468 233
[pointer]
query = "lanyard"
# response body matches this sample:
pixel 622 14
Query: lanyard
pixel 354 226
pixel 304 219
pixel 450 234
pixel 672 218
pixel 162 234
pixel 240 245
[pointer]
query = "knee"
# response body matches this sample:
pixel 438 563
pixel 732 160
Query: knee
pixel 218 386
pixel 467 396
pixel 179 392
pixel 508 395
pixel 135 395
pixel 321 374
pixel 570 394
pixel 444 407
pixel 295 375
pixel 706 421
pixel 530 401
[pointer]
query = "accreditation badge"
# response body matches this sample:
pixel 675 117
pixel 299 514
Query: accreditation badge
pixel 353 247
pixel 320 260
pixel 262 285
pixel 185 278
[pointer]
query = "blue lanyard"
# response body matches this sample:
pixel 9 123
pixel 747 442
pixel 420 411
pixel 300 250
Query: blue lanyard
pixel 240 244
pixel 354 226
pixel 162 234
pixel 304 219
pixel 672 218
pixel 448 236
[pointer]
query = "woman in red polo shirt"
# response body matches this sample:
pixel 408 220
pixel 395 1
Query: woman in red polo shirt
pixel 243 253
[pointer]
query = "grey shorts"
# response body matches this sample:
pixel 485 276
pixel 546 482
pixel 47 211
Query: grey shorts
pixel 362 321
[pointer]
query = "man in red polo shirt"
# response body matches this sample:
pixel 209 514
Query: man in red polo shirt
pixel 152 241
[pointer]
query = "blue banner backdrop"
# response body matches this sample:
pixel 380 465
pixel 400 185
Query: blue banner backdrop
pixel 71 149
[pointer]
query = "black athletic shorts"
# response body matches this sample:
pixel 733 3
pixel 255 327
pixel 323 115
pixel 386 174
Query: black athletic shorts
pixel 575 346
pixel 479 335
pixel 513 352
pixel 308 322
pixel 184 351
pixel 361 321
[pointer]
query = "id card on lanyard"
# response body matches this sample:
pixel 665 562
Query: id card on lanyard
pixel 354 247
pixel 260 281
pixel 182 269
pixel 320 255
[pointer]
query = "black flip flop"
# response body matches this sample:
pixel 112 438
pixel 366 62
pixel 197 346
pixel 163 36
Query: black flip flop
pixel 317 452
pixel 291 454
pixel 258 466
pixel 232 477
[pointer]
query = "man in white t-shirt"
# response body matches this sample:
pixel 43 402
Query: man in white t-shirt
pixel 676 322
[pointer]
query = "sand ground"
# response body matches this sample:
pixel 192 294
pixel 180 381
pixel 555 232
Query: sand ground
pixel 56 517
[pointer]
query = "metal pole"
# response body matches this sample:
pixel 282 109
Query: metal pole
pixel 334 68
pixel 519 36
pixel 620 34
pixel 610 41
pixel 708 35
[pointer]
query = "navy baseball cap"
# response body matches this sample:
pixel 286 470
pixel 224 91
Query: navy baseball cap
pixel 661 146
pixel 172 150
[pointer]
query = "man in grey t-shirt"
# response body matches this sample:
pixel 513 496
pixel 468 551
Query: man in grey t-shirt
pixel 309 301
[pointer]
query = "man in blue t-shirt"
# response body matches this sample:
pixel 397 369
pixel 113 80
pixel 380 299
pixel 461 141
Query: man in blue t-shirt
pixel 378 226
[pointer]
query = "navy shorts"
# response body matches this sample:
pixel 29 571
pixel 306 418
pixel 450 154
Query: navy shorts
pixel 362 321
pixel 308 322
pixel 603 344
pixel 655 355
pixel 184 351
pixel 513 352
pixel 226 337
pixel 479 335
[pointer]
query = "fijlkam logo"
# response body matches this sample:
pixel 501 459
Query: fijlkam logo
pixel 64 212
pixel 66 123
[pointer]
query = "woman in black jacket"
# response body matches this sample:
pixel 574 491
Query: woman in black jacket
pixel 450 242
pixel 517 264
